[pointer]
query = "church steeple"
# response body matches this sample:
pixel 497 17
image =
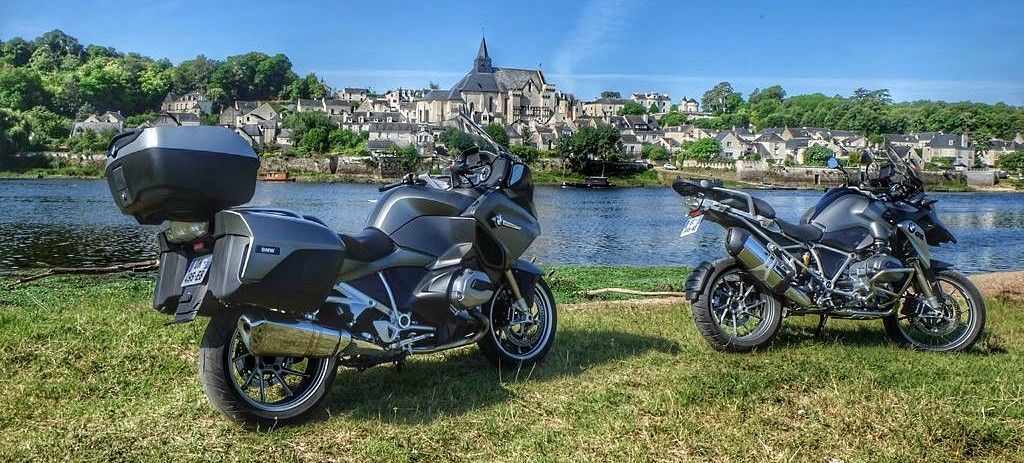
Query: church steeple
pixel 483 60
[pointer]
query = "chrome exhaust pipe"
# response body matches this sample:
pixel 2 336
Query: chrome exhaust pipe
pixel 294 338
pixel 764 266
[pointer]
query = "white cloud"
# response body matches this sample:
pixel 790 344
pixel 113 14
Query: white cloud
pixel 591 28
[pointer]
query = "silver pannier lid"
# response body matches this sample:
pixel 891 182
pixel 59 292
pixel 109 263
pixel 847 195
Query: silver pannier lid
pixel 213 139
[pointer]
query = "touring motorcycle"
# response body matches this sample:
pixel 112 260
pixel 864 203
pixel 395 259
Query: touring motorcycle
pixel 863 252
pixel 437 267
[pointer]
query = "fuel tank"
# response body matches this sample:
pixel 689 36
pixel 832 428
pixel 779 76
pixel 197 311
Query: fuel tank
pixel 850 219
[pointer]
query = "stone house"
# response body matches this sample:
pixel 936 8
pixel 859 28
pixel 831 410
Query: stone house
pixel 689 106
pixel 97 123
pixel 604 107
pixel 772 146
pixel 230 113
pixel 660 101
pixel 733 146
pixel 353 94
pixel 193 102
pixel 330 106
pixel 949 146
pixel 631 146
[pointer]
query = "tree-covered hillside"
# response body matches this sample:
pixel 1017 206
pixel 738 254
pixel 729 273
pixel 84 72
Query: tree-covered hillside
pixel 48 82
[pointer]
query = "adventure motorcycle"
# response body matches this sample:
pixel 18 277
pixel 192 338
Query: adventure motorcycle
pixel 861 253
pixel 437 267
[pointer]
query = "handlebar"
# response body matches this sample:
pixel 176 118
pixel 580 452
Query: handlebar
pixel 408 179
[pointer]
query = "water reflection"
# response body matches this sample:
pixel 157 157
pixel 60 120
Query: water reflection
pixel 74 222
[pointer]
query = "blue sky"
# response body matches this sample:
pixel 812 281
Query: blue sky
pixel 942 50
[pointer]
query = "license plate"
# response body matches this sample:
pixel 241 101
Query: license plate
pixel 692 225
pixel 197 271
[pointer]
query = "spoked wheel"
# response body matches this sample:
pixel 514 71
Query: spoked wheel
pixel 735 314
pixel 520 337
pixel 955 325
pixel 260 392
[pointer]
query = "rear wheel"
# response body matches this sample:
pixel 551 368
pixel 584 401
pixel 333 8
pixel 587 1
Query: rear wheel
pixel 520 337
pixel 955 325
pixel 735 314
pixel 259 392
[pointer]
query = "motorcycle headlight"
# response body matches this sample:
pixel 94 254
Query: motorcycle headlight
pixel 182 232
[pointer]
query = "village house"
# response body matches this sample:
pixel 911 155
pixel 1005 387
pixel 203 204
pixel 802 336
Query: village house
pixel 998 148
pixel 661 102
pixel 604 107
pixel 330 106
pixel 689 106
pixel 374 105
pixel 733 146
pixel 422 136
pixel 356 95
pixel 230 113
pixel 631 145
pixel 956 148
pixel 174 119
pixel 193 102
pixel 98 123
pixel 770 145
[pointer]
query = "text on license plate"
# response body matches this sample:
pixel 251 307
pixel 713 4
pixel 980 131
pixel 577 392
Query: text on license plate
pixel 197 271
pixel 692 225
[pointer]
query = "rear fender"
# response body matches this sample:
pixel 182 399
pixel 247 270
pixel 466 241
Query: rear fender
pixel 702 274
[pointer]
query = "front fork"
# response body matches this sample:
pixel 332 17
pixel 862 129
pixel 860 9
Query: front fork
pixel 519 303
pixel 925 286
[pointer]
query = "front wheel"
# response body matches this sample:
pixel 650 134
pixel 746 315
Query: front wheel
pixel 520 337
pixel 953 326
pixel 259 392
pixel 735 314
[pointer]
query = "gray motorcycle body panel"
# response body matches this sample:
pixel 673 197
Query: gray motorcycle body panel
pixel 851 222
pixel 400 205
pixel 511 227
pixel 280 233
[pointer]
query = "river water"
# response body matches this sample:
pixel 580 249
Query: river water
pixel 75 223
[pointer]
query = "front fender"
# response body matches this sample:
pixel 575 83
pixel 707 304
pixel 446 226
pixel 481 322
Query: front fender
pixel 527 273
pixel 702 275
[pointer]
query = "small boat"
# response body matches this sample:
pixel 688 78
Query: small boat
pixel 590 182
pixel 277 177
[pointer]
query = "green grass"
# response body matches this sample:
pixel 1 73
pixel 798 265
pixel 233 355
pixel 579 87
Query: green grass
pixel 64 171
pixel 90 373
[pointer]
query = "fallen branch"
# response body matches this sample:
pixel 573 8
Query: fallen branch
pixel 633 292
pixel 144 266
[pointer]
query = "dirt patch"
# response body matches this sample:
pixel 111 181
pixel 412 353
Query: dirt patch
pixel 1009 285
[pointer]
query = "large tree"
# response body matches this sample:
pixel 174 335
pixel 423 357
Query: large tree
pixel 632 109
pixel 21 88
pixel 601 143
pixel 721 98
pixel 497 133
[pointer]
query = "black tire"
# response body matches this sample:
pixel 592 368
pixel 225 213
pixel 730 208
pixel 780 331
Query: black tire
pixel 708 304
pixel 497 351
pixel 215 372
pixel 976 325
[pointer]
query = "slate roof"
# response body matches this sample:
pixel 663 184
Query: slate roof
pixel 945 140
pixel 769 138
pixel 629 139
pixel 797 143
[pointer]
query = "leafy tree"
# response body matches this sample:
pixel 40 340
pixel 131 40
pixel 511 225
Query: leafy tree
pixel 774 93
pixel 654 152
pixel 16 52
pixel 408 158
pixel 21 88
pixel 672 118
pixel 300 123
pixel 14 132
pixel 456 141
pixel 315 141
pixel 347 142
pixel 48 129
pixel 528 154
pixel 721 99
pixel 653 109
pixel 497 133
pixel 92 142
pixel 1012 162
pixel 434 86
pixel 602 143
pixel 632 109
pixel 610 94
pixel 253 76
pixel 194 75
pixel 60 44
pixel 704 149
pixel 817 155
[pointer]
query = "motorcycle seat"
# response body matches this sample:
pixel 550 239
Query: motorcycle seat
pixel 801 232
pixel 368 245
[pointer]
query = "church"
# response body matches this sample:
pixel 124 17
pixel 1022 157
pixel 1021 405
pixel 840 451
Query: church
pixel 508 96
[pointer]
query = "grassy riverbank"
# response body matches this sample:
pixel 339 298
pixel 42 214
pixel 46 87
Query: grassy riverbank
pixel 91 374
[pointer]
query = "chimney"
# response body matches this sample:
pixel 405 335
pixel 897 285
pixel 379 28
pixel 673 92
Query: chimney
pixel 964 140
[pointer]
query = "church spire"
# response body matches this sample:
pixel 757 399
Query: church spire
pixel 483 60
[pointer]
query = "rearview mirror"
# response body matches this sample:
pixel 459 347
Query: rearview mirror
pixel 832 163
